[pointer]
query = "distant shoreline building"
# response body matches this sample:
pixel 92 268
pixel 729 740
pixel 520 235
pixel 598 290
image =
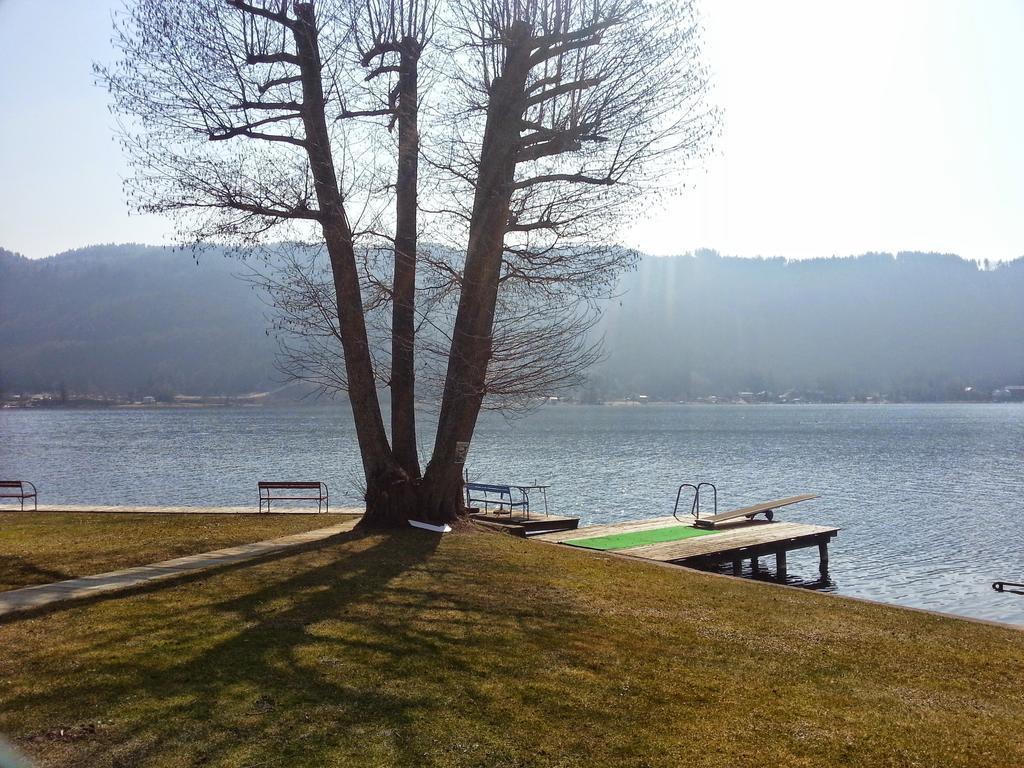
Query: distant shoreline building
pixel 1013 392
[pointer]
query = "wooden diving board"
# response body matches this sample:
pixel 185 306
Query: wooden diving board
pixel 766 508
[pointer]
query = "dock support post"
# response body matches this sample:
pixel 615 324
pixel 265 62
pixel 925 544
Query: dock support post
pixel 823 557
pixel 755 565
pixel 737 567
pixel 780 565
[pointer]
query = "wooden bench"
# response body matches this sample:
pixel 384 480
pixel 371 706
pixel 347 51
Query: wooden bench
pixel 19 489
pixel 271 491
pixel 485 493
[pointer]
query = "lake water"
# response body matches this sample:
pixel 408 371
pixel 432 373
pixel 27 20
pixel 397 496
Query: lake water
pixel 929 497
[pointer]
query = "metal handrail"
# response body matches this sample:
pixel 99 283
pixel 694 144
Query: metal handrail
pixel 697 500
pixel 679 493
pixel 695 507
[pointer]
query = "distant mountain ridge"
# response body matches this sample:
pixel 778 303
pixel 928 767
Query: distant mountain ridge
pixel 145 320
pixel 131 319
pixel 913 326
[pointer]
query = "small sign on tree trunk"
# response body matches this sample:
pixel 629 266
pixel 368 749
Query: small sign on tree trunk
pixel 461 449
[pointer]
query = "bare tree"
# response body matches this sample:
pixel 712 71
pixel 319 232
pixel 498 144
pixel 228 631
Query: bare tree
pixel 550 122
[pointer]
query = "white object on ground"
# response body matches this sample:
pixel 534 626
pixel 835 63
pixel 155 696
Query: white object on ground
pixel 428 527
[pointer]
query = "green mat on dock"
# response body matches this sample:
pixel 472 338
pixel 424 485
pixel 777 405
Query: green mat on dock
pixel 640 538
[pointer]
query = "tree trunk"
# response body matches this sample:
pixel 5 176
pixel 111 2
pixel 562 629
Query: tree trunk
pixel 369 424
pixel 393 493
pixel 403 324
pixel 471 338
pixel 397 494
pixel 393 498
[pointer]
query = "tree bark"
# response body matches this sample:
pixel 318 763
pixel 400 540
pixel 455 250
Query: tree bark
pixel 369 424
pixel 394 491
pixel 471 339
pixel 403 324
pixel 397 499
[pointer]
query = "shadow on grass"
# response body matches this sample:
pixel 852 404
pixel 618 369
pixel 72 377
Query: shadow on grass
pixel 49 577
pixel 17 572
pixel 333 656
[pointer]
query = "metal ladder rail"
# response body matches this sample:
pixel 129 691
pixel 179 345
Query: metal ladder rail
pixel 695 507
pixel 714 496
pixel 679 493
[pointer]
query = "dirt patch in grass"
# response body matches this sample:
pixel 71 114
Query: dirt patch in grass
pixel 39 548
pixel 479 649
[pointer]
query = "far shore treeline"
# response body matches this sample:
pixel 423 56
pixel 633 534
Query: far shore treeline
pixel 140 321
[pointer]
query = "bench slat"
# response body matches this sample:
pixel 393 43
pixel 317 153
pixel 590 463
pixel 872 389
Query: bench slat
pixel 487 488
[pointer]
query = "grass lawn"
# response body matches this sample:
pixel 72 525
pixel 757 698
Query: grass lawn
pixel 478 649
pixel 38 548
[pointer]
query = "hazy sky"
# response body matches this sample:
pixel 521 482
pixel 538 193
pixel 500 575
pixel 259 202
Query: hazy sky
pixel 888 125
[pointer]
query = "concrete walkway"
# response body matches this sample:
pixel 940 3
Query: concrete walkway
pixel 31 598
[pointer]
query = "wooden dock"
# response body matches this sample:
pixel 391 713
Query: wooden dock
pixel 521 524
pixel 744 540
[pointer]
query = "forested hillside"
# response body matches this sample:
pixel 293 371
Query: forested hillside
pixel 915 325
pixel 131 319
pixel 138 320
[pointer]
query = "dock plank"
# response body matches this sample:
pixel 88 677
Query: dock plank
pixel 754 535
pixel 608 529
pixel 521 524
pixel 738 539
